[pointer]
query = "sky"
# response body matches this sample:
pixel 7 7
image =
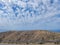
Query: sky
pixel 29 15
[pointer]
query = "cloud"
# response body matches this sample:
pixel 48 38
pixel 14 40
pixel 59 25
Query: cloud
pixel 40 14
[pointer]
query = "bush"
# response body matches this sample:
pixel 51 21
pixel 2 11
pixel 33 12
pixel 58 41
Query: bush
pixel 41 43
pixel 56 42
pixel 0 40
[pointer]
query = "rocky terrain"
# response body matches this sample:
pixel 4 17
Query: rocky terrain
pixel 36 37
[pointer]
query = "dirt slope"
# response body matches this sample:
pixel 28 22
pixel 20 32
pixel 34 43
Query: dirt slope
pixel 36 36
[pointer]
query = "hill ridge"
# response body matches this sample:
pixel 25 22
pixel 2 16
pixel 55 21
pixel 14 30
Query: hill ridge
pixel 35 36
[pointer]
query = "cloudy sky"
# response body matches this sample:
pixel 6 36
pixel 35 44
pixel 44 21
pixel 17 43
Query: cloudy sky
pixel 29 15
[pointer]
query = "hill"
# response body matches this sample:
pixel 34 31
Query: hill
pixel 36 36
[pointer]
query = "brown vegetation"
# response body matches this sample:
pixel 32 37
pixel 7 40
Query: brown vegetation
pixel 37 36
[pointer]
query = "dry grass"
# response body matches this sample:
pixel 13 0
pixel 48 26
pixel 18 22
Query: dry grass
pixel 30 44
pixel 36 36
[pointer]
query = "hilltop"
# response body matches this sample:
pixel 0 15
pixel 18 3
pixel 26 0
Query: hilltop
pixel 36 36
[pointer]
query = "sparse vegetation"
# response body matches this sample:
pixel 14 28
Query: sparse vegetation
pixel 38 37
pixel 0 40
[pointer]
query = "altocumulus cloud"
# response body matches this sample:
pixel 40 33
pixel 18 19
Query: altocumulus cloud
pixel 29 14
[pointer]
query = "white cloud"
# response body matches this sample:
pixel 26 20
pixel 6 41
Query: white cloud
pixel 29 13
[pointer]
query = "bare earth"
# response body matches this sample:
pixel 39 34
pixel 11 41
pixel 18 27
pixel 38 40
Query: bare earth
pixel 31 44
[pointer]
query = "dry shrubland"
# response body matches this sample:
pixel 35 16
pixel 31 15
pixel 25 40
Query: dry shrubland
pixel 34 37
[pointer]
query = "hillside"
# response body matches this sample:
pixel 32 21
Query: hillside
pixel 37 36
